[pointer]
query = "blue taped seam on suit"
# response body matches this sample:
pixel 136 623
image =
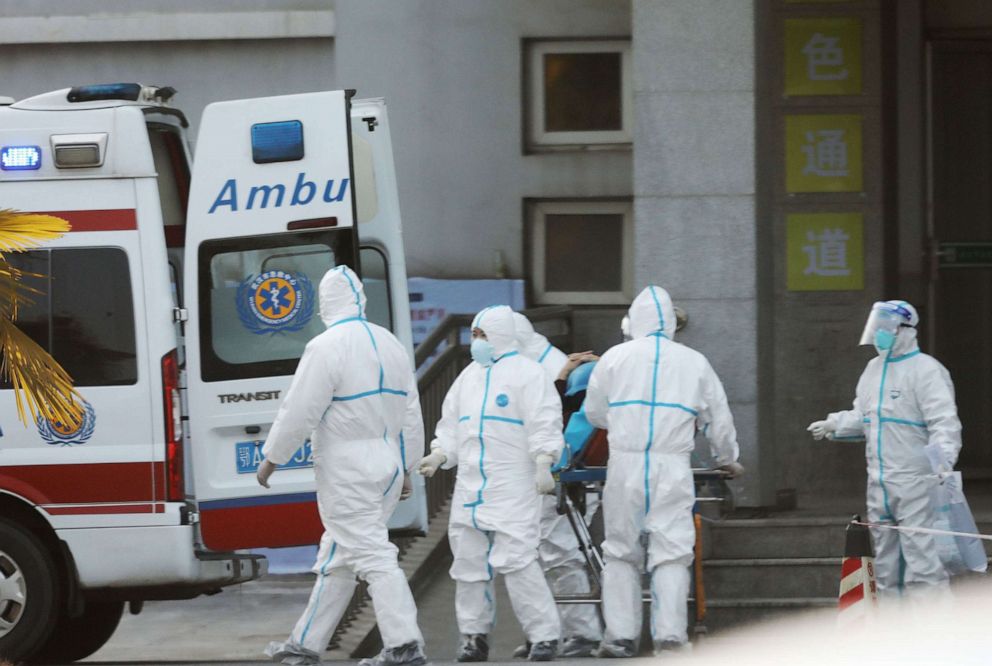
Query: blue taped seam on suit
pixel 545 354
pixel 881 466
pixel 482 446
pixel 646 403
pixel 647 450
pixel 320 589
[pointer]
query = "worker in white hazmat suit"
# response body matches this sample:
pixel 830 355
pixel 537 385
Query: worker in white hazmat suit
pixel 536 347
pixel 558 552
pixel 903 404
pixel 355 391
pixel 651 393
pixel 501 425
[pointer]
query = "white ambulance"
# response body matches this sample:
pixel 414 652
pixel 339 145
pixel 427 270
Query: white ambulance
pixel 180 303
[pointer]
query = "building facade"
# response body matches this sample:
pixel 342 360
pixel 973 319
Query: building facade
pixel 777 165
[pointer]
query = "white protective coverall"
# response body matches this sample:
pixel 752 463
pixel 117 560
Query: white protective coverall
pixel 355 390
pixel 536 347
pixel 558 552
pixel 904 401
pixel 495 421
pixel 651 393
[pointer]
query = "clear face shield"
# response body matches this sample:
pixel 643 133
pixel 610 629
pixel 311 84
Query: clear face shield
pixel 882 326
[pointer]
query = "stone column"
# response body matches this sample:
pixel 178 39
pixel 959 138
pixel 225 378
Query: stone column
pixel 694 190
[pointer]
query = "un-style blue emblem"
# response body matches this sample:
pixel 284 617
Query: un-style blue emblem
pixel 275 302
pixel 57 433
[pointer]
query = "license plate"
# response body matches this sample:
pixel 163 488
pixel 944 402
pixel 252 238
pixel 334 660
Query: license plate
pixel 248 456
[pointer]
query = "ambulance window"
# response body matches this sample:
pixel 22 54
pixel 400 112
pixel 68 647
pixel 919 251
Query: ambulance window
pixel 84 316
pixel 375 278
pixel 258 299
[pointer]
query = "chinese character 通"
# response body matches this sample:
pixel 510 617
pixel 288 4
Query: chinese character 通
pixel 826 153
pixel 823 57
pixel 826 253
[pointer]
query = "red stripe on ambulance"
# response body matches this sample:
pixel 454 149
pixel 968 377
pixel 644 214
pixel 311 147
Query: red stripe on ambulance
pixel 83 484
pixel 118 219
pixel 296 524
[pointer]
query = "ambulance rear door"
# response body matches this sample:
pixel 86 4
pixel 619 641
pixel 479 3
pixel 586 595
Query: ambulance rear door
pixel 271 209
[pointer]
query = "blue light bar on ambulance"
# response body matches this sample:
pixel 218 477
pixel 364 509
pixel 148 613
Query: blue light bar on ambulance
pixel 104 91
pixel 20 158
pixel 277 142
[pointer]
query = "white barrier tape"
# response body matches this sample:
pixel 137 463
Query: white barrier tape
pixel 925 530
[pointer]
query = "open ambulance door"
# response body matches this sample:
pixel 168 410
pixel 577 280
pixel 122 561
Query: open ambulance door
pixel 271 209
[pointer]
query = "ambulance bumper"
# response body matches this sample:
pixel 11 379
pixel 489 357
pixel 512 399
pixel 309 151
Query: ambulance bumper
pixel 155 558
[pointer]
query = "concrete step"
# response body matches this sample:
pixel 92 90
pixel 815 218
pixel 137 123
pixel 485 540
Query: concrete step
pixel 781 578
pixel 775 538
pixel 722 614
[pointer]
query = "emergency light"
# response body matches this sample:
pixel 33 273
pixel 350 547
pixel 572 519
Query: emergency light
pixel 20 158
pixel 277 142
pixel 75 151
pixel 105 91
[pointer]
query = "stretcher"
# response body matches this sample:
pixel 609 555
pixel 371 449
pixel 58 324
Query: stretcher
pixel 577 482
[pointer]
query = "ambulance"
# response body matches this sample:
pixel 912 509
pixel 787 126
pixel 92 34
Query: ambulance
pixel 180 303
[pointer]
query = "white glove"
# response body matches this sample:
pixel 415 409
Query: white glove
pixel 429 464
pixel 734 469
pixel 821 429
pixel 542 473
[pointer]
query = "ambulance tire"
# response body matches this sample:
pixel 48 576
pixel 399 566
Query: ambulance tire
pixel 24 555
pixel 76 638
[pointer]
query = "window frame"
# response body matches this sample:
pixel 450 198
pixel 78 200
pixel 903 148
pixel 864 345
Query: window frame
pixel 213 368
pixel 49 277
pixel 536 138
pixel 536 230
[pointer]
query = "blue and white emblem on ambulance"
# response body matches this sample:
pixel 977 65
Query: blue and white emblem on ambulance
pixel 57 433
pixel 275 302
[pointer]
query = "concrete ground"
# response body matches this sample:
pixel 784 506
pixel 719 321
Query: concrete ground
pixel 238 623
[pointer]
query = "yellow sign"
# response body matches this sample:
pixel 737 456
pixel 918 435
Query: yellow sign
pixel 825 252
pixel 822 56
pixel 823 153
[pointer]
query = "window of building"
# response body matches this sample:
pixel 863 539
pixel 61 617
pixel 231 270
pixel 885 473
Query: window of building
pixel 87 325
pixel 581 252
pixel 579 93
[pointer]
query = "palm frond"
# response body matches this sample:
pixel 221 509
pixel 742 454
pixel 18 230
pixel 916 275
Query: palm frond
pixel 23 231
pixel 37 379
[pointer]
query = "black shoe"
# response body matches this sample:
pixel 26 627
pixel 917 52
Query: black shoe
pixel 543 651
pixel 522 651
pixel 617 649
pixel 409 654
pixel 475 647
pixel 578 646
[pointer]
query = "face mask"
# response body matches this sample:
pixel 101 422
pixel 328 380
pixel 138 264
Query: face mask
pixel 884 340
pixel 482 352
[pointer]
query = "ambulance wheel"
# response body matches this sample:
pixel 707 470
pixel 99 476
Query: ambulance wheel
pixel 29 593
pixel 76 638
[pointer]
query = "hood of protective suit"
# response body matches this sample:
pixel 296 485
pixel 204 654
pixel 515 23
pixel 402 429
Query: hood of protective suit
pixel 652 311
pixel 341 295
pixel 905 343
pixel 529 342
pixel 497 323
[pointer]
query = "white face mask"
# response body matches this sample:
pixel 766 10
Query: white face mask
pixel 483 352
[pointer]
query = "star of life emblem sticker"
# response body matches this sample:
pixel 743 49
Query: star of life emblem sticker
pixel 275 302
pixel 57 433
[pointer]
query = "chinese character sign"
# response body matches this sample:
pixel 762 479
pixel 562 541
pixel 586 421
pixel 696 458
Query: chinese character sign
pixel 824 252
pixel 823 56
pixel 823 153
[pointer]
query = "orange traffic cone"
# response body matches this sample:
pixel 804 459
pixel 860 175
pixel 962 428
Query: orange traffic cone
pixel 857 574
